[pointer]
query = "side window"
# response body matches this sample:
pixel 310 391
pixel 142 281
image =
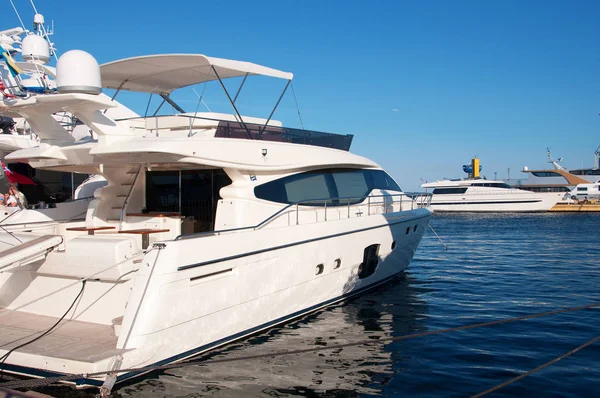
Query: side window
pixel 351 184
pixel 306 187
pixel 326 184
pixel 381 180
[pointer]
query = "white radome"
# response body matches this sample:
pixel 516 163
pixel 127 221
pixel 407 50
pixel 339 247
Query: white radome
pixel 35 49
pixel 78 72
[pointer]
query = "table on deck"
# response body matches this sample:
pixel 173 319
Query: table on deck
pixel 91 230
pixel 145 232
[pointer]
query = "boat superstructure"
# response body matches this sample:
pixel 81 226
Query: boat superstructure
pixel 475 194
pixel 211 227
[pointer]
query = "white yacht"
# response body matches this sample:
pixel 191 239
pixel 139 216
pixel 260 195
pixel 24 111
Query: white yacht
pixel 475 194
pixel 212 226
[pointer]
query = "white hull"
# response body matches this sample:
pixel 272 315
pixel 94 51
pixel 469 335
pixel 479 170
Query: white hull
pixel 509 202
pixel 195 294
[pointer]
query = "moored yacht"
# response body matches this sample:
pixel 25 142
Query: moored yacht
pixel 212 226
pixel 475 194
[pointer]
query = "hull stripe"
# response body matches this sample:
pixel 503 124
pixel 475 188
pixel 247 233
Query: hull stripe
pixel 268 249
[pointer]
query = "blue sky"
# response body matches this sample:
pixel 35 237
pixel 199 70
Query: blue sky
pixel 423 85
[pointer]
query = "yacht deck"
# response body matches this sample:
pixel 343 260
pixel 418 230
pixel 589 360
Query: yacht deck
pixel 72 340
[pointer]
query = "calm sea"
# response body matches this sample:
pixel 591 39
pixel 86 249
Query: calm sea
pixel 496 266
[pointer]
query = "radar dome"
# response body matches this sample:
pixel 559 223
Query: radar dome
pixel 78 72
pixel 35 50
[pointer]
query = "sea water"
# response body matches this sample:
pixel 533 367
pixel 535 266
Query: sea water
pixel 496 267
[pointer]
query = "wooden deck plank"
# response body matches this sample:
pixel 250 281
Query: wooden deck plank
pixel 73 340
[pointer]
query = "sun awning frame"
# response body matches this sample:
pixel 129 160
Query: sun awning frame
pixel 164 73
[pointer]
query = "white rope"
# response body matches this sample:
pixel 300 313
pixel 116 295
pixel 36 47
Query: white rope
pixel 18 16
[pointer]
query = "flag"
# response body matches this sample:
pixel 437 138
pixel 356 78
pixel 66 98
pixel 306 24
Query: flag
pixel 16 178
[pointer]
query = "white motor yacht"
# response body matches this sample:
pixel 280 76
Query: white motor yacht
pixel 475 194
pixel 212 227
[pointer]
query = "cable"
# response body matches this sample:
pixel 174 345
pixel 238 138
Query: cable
pixel 5 356
pixel 32 383
pixel 18 16
pixel 563 356
pixel 297 107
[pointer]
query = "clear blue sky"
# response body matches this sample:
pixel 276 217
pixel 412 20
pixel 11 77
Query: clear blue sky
pixel 423 85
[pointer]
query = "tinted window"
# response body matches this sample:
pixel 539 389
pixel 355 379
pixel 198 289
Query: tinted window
pixel 446 191
pixel 351 184
pixel 381 180
pixel 326 184
pixel 586 172
pixel 492 185
pixel 306 188
pixel 546 174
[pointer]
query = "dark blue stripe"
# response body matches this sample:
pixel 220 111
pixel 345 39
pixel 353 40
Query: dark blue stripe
pixel 93 382
pixel 248 332
pixel 484 203
pixel 301 242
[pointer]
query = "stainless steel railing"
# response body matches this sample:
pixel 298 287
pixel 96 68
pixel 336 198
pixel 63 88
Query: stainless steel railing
pixel 375 204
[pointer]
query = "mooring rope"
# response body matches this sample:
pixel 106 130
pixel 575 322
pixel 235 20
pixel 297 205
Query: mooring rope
pixel 32 383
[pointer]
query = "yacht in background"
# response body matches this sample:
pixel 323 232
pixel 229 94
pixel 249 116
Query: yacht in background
pixel 212 226
pixel 53 196
pixel 474 194
pixel 556 179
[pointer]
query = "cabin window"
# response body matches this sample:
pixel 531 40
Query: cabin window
pixel 351 184
pixel 329 184
pixel 448 191
pixel 306 188
pixel 546 174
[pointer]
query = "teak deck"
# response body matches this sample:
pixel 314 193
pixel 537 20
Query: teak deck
pixel 73 340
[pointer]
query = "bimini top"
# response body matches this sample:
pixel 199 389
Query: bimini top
pixel 164 73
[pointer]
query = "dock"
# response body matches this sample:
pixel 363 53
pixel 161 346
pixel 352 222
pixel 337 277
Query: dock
pixel 576 207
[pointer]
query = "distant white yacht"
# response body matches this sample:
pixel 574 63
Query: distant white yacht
pixel 475 194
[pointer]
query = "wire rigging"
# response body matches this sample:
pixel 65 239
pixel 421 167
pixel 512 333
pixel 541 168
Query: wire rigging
pixel 297 107
pixel 5 356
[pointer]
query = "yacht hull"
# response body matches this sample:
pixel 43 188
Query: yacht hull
pixel 505 203
pixel 192 295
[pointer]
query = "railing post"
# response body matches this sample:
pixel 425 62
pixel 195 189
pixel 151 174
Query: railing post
pixel 156 120
pixel 369 206
pixel 325 210
pixel 348 208
pixel 296 213
pixel 412 203
pixel 401 197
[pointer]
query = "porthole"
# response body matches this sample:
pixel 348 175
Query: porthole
pixel 319 269
pixel 415 229
pixel 337 263
pixel 393 245
pixel 407 230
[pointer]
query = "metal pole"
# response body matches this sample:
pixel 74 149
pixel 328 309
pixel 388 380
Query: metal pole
pixel 160 106
pixel 117 92
pixel 179 191
pixel 369 206
pixel 325 210
pixel 296 213
pixel 273 111
pixel 232 103
pixel 172 103
pixel 240 89
pixel 348 208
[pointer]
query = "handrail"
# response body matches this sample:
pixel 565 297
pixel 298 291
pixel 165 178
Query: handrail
pixel 127 197
pixel 413 198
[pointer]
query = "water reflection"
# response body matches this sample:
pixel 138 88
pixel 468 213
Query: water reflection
pixel 349 371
